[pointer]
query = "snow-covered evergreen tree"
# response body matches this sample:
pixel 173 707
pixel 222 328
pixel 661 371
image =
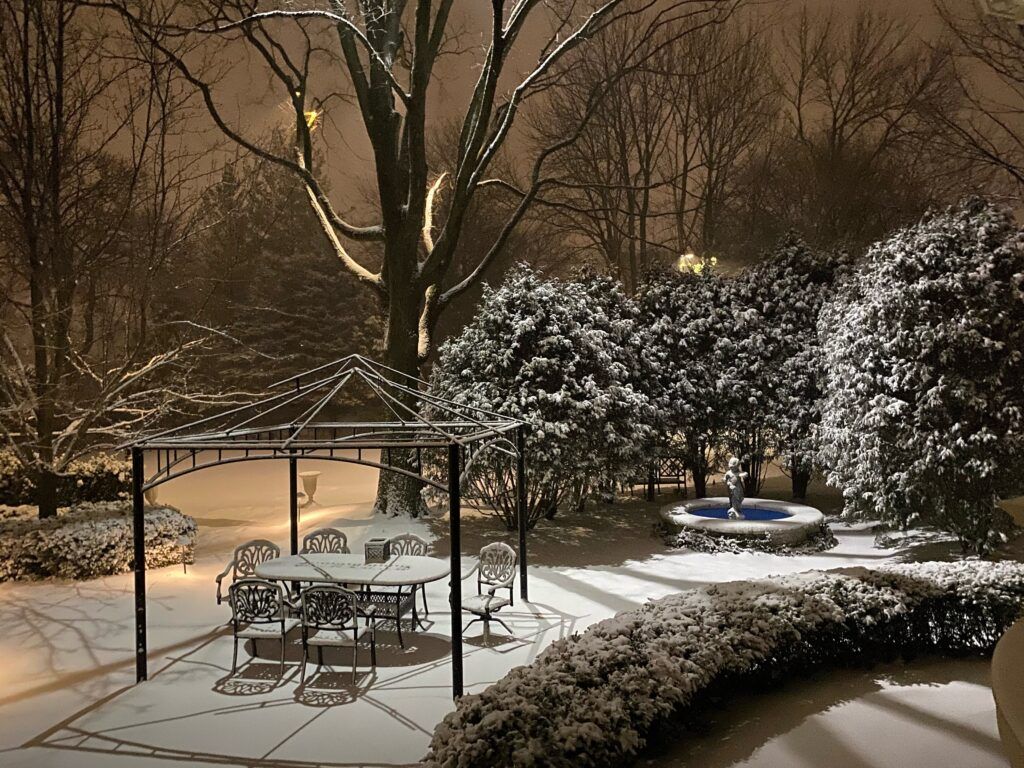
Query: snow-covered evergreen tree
pixel 685 315
pixel 563 356
pixel 787 289
pixel 747 355
pixel 924 359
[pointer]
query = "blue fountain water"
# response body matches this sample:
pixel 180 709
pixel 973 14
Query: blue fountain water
pixel 749 513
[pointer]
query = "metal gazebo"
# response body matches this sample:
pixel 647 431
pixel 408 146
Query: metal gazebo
pixel 289 422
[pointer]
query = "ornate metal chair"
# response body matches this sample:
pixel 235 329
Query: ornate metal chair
pixel 259 612
pixel 497 569
pixel 411 544
pixel 330 618
pixel 244 561
pixel 325 540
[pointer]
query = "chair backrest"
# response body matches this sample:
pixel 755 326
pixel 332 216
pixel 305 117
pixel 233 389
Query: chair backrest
pixel 256 601
pixel 251 554
pixel 409 544
pixel 325 540
pixel 327 606
pixel 497 563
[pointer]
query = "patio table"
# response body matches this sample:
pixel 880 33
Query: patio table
pixel 332 568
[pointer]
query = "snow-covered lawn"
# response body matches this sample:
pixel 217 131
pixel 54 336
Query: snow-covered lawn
pixel 66 693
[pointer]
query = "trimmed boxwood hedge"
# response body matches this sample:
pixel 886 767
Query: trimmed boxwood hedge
pixel 88 541
pixel 594 699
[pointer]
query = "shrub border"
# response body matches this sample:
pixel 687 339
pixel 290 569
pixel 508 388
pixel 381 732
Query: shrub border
pixel 91 540
pixel 594 699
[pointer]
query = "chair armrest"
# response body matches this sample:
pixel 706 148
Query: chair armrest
pixel 506 584
pixel 219 578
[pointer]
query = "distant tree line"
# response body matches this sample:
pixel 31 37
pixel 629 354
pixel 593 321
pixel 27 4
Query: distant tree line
pixel 840 125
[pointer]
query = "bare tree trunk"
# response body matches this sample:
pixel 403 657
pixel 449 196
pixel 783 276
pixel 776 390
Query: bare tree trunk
pixel 699 470
pixel 399 494
pixel 801 479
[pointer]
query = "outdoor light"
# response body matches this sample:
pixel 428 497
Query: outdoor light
pixel 183 544
pixel 690 262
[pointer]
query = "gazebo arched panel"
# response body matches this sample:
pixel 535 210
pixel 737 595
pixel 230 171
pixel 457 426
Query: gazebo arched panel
pixel 163 477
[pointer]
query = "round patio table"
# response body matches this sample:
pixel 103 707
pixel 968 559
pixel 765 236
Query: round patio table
pixel 400 571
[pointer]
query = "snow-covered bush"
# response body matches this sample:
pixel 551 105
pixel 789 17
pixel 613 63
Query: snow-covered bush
pixel 685 314
pixel 88 540
pixel 593 699
pixel 820 540
pixel 923 415
pixel 784 292
pixel 563 356
pixel 99 477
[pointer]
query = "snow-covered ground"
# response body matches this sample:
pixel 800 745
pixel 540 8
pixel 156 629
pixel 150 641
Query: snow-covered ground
pixel 66 679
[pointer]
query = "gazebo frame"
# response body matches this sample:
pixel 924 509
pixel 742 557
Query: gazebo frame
pixel 238 435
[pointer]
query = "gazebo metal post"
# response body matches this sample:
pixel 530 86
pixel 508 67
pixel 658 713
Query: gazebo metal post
pixel 293 502
pixel 455 534
pixel 521 511
pixel 139 555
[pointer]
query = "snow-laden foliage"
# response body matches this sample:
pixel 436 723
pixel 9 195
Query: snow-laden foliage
pixel 737 359
pixel 88 540
pixel 592 699
pixel 564 356
pixel 99 477
pixel 781 297
pixel 820 540
pixel 748 353
pixel 685 315
pixel 923 415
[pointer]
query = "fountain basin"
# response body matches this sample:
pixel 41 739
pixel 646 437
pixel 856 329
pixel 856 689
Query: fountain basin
pixel 787 522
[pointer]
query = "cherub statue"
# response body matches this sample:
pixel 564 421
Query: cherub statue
pixel 734 480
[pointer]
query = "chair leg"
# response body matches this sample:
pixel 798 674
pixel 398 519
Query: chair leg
pixel 355 657
pixel 398 626
pixel 281 673
pixel 234 655
pixel 471 623
pixel 423 590
pixel 305 657
pixel 507 629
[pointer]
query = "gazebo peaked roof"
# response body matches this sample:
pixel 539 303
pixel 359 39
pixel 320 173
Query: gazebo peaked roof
pixel 292 419
pixel 259 423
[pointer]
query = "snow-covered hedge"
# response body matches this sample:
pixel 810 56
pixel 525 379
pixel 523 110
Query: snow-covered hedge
pixel 100 477
pixel 593 699
pixel 88 540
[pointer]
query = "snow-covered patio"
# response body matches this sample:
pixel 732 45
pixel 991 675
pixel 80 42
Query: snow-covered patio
pixel 68 697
